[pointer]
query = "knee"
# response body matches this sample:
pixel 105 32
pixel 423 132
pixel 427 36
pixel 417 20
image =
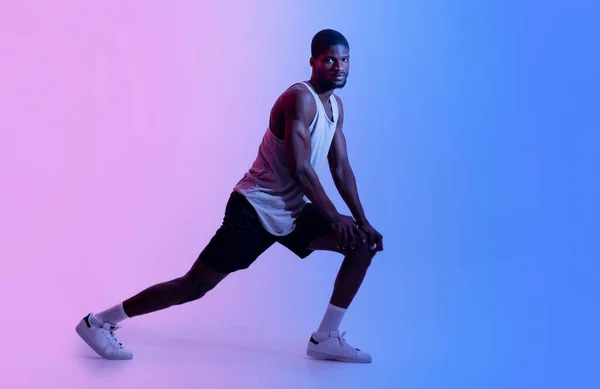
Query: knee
pixel 192 290
pixel 362 254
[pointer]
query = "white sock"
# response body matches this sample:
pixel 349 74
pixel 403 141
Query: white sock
pixel 111 315
pixel 331 322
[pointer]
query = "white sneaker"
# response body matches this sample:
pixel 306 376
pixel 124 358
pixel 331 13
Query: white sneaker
pixel 102 339
pixel 335 348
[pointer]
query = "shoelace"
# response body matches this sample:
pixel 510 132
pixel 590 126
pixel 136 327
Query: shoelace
pixel 345 344
pixel 111 336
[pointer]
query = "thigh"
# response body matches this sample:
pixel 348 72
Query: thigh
pixel 203 275
pixel 238 242
pixel 311 226
pixel 329 242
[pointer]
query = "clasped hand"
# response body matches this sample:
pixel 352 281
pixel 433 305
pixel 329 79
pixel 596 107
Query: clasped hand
pixel 350 234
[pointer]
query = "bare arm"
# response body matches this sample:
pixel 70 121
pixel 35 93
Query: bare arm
pixel 342 173
pixel 344 180
pixel 299 109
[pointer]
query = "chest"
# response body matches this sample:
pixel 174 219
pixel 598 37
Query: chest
pixel 328 110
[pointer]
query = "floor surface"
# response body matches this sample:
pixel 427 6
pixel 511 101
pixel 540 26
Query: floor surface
pixel 198 358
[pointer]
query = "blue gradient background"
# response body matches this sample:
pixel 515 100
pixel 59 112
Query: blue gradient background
pixel 472 128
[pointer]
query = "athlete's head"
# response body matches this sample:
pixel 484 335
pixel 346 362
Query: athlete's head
pixel 330 59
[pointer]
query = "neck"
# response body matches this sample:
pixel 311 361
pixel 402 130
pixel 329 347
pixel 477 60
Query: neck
pixel 323 92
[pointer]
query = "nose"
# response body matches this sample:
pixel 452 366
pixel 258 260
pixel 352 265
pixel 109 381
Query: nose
pixel 338 65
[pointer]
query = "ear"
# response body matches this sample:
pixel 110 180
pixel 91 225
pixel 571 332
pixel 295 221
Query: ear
pixel 311 61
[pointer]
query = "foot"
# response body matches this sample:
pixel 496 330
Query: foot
pixel 102 339
pixel 335 348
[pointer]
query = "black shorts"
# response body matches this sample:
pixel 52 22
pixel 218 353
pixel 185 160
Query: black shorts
pixel 241 239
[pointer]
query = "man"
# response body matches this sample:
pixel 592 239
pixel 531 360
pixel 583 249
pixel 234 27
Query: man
pixel 280 199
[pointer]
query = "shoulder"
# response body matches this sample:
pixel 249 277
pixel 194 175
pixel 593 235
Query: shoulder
pixel 340 105
pixel 297 102
pixel 298 98
pixel 340 108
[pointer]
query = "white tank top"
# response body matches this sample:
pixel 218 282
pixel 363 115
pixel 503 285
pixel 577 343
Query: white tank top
pixel 268 185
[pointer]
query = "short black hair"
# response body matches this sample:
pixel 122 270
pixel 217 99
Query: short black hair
pixel 325 39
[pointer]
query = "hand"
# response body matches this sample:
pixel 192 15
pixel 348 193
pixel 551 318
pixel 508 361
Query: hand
pixel 374 238
pixel 347 231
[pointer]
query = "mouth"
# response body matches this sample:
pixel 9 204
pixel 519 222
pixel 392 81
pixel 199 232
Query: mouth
pixel 338 77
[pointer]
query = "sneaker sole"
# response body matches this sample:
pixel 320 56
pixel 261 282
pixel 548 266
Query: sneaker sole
pixel 89 342
pixel 330 357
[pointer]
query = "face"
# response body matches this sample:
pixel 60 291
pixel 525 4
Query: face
pixel 332 66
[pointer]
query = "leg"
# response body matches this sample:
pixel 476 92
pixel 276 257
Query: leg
pixel 235 246
pixel 192 286
pixel 312 233
pixel 97 330
pixel 326 342
pixel 352 271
